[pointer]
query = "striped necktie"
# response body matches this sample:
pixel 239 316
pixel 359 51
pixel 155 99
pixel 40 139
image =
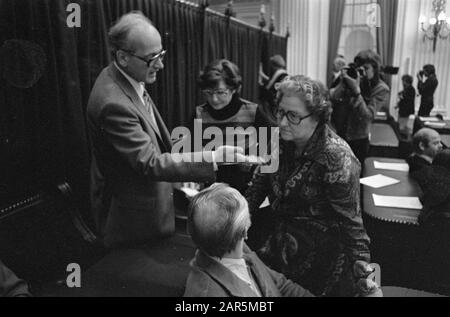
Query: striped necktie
pixel 148 103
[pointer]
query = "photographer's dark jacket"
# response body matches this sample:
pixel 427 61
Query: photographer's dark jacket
pixel 406 105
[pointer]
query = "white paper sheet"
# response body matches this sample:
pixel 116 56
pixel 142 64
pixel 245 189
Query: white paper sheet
pixel 429 119
pixel 379 181
pixel 397 202
pixel 190 192
pixel 400 167
pixel 435 124
pixel 266 203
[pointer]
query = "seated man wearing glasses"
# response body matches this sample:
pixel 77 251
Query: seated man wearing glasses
pixel 133 166
pixel 221 83
pixel 317 233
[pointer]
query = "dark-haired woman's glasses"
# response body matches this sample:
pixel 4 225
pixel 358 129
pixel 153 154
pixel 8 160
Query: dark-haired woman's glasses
pixel 292 117
pixel 221 93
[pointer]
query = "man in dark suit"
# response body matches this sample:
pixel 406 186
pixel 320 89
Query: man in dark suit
pixel 427 144
pixel 133 167
pixel 10 285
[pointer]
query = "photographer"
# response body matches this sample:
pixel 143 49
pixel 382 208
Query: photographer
pixel 357 98
pixel 427 88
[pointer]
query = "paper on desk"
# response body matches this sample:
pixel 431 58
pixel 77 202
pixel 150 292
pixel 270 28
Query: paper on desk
pixel 190 192
pixel 378 181
pixel 429 119
pixel 400 167
pixel 397 202
pixel 266 203
pixel 435 124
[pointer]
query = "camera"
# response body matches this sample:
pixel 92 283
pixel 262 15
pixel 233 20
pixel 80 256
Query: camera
pixel 421 73
pixel 353 70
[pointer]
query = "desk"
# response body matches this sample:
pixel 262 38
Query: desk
pixel 419 124
pixel 446 140
pixel 406 187
pixel 406 292
pixel 383 140
pixel 394 233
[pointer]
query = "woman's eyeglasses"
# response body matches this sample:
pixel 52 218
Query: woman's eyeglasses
pixel 292 117
pixel 159 56
pixel 221 93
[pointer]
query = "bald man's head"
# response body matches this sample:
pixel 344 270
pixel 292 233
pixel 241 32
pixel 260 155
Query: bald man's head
pixel 427 142
pixel 218 219
pixel 134 42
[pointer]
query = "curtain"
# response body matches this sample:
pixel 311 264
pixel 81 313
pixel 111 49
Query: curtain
pixel 386 33
pixel 43 137
pixel 337 8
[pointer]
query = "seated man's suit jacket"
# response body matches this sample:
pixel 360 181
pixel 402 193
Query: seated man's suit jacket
pixel 209 278
pixel 132 168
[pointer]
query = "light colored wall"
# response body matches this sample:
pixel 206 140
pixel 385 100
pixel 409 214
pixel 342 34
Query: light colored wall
pixel 411 52
pixel 308 44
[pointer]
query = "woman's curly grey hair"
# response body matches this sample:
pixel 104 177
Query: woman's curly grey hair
pixel 312 92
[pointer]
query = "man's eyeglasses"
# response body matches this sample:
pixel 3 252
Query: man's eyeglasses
pixel 159 56
pixel 221 93
pixel 292 117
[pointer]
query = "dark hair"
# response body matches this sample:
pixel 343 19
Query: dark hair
pixel 220 70
pixel 408 79
pixel 442 159
pixel 372 58
pixel 430 69
pixel 119 32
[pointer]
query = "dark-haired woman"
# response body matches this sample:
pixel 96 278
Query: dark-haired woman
pixel 221 83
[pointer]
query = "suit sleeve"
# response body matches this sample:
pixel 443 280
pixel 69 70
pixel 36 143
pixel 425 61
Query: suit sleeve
pixel 123 131
pixel 287 287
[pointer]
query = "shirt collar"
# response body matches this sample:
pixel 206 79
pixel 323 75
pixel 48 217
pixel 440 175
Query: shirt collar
pixel 138 87
pixel 426 158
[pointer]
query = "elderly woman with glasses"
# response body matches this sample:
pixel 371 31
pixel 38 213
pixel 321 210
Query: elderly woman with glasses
pixel 221 83
pixel 317 233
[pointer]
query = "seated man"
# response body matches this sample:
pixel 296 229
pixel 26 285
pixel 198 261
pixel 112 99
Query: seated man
pixel 427 144
pixel 10 285
pixel 224 266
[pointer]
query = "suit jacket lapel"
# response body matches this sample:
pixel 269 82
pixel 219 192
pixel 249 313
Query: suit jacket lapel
pixel 131 93
pixel 223 276
pixel 164 132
